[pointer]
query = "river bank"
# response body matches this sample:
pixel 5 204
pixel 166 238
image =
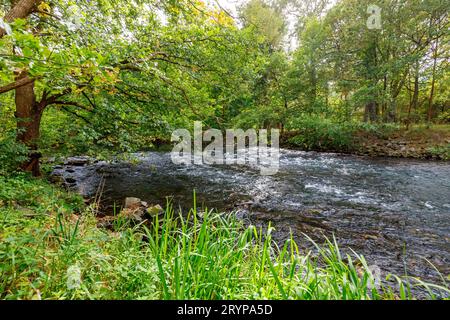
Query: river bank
pixel 51 248
pixel 418 142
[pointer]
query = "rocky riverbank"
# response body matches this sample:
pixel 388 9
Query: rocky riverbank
pixel 433 143
pixel 429 144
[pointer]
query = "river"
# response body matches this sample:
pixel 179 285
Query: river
pixel 396 212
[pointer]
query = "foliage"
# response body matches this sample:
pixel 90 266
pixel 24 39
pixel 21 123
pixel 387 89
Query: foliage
pixel 323 134
pixel 127 73
pixel 444 117
pixel 12 153
pixel 264 20
pixel 119 76
pixel 441 152
pixel 20 191
pixel 47 252
pixel 115 88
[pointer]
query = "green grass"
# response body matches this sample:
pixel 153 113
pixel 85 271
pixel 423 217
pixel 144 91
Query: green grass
pixel 47 252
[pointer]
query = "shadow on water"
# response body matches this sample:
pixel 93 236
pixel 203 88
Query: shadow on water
pixel 394 212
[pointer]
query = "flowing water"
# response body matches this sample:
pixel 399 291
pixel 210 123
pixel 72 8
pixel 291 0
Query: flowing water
pixel 394 212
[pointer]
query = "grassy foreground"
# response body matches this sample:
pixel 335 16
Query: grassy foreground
pixel 49 249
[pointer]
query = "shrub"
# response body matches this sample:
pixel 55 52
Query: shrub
pixel 380 130
pixel 444 117
pixel 441 152
pixel 323 135
pixel 12 154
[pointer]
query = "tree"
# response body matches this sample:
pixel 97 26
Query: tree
pixel 268 100
pixel 265 21
pixel 311 67
pixel 28 111
pixel 114 65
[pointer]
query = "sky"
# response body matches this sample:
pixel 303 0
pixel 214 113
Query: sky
pixel 229 5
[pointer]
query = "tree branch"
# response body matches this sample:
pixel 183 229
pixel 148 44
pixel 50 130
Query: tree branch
pixel 77 115
pixel 21 10
pixel 71 103
pixel 17 84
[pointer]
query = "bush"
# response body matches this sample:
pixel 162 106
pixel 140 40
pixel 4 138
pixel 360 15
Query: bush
pixel 323 135
pixel 380 130
pixel 441 152
pixel 12 154
pixel 444 117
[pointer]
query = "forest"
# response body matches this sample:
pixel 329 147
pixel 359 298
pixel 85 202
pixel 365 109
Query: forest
pixel 358 89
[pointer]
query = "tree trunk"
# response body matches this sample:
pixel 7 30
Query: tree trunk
pixel 384 106
pixel 433 82
pixel 371 61
pixel 313 86
pixel 415 98
pixel 392 114
pixel 28 115
pixel 28 111
pixel 370 112
pixel 20 9
pixel 408 118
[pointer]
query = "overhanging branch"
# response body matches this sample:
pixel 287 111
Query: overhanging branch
pixel 17 84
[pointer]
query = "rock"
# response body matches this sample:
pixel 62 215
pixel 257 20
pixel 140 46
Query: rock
pixel 77 161
pixel 156 210
pixel 245 204
pixel 82 179
pixel 133 210
pixel 242 214
pixel 70 180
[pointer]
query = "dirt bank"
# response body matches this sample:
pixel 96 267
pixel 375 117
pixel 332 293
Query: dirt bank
pixel 418 143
